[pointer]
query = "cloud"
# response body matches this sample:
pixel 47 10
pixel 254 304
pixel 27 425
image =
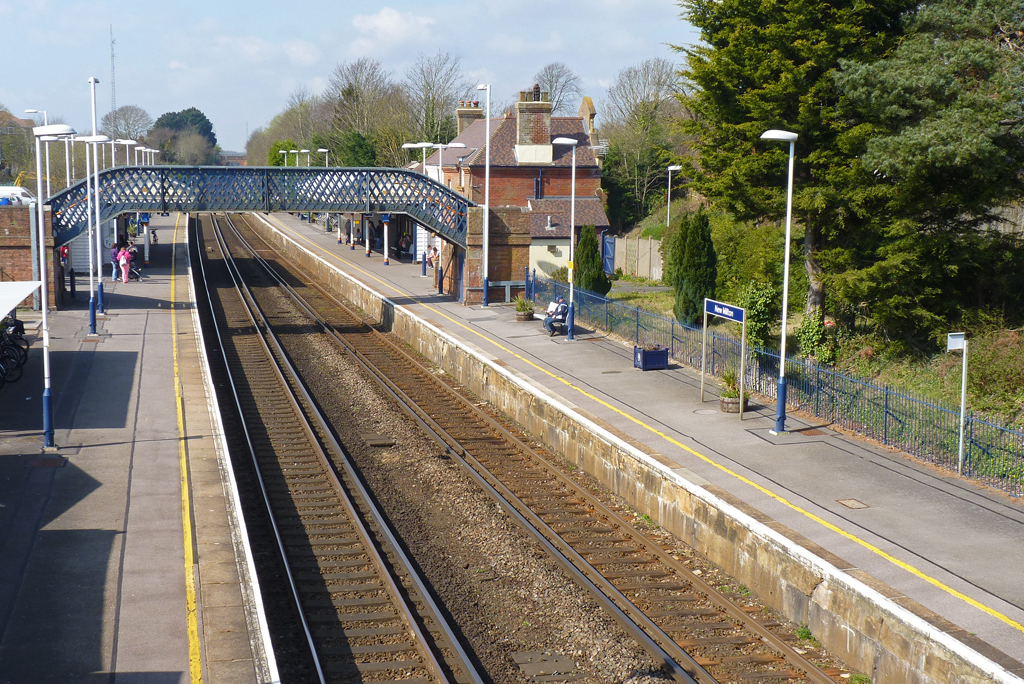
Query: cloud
pixel 388 27
pixel 301 53
pixel 175 64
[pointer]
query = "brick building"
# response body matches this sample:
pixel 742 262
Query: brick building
pixel 16 260
pixel 527 172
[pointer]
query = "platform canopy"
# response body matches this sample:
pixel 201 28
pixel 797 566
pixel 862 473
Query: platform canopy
pixel 12 293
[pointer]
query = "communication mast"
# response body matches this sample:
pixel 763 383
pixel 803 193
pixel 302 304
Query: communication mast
pixel 113 88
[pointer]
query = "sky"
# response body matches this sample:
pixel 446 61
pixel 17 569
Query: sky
pixel 239 60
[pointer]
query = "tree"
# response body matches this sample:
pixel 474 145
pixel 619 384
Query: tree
pixel 435 85
pixel 274 156
pixel 354 149
pixel 361 91
pixel 695 279
pixel 590 275
pixel 642 107
pixel 129 122
pixel 939 134
pixel 190 119
pixel 562 84
pixel 673 247
pixel 193 149
pixel 760 66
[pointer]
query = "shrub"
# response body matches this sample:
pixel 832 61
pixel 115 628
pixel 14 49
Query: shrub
pixel 695 280
pixel 761 302
pixel 590 274
pixel 816 340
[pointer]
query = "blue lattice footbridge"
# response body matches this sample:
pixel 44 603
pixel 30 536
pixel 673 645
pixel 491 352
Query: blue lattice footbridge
pixel 128 189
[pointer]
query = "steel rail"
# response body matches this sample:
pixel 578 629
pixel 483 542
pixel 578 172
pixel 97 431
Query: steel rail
pixel 346 464
pixel 627 615
pixel 253 312
pixel 810 671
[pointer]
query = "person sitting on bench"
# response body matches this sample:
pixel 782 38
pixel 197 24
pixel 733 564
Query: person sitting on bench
pixel 556 315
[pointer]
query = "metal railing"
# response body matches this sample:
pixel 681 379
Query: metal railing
pixel 927 429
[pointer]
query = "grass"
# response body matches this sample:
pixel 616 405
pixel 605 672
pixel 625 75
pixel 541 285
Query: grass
pixel 659 303
pixel 803 633
pixel 859 679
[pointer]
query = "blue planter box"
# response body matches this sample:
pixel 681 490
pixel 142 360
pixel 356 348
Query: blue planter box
pixel 647 359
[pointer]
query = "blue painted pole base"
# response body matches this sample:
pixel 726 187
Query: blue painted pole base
pixel 47 419
pixel 423 266
pixel 487 287
pixel 92 314
pixel 99 296
pixel 780 410
pixel 570 321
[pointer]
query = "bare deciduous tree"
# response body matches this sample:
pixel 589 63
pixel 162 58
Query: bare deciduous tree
pixel 563 86
pixel 435 85
pixel 645 87
pixel 129 122
pixel 191 148
pixel 361 92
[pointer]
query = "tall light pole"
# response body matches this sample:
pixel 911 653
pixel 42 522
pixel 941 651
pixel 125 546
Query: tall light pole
pixel 67 160
pixel 96 140
pixel 487 191
pixel 39 132
pixel 46 121
pixel 306 152
pixel 48 139
pixel 668 210
pixel 419 146
pixel 285 153
pixel 95 262
pixel 296 153
pixel 441 147
pixel 138 149
pixel 152 156
pixel 780 411
pixel 571 318
pixel 127 144
pixel 324 151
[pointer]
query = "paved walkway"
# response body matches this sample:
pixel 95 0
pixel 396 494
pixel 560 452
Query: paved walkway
pixel 950 545
pixel 102 578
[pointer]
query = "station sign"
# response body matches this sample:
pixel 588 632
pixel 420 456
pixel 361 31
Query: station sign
pixel 723 310
pixel 386 218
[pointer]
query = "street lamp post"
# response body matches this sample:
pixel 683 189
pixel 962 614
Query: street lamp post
pixel 127 144
pixel 39 132
pixel 668 210
pixel 306 152
pixel 67 160
pixel 285 153
pixel 419 146
pixel 95 263
pixel 46 121
pixel 96 140
pixel 152 156
pixel 441 147
pixel 570 319
pixel 296 153
pixel 487 191
pixel 48 139
pixel 327 153
pixel 780 411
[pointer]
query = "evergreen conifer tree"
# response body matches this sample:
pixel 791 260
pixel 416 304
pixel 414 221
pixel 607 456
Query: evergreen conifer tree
pixel 696 278
pixel 590 273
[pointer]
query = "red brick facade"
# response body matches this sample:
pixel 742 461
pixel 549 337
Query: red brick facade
pixel 16 250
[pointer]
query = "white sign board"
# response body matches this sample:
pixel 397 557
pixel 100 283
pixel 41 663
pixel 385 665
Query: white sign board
pixel 954 341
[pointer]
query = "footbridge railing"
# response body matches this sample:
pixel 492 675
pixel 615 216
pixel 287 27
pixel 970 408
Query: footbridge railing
pixel 237 189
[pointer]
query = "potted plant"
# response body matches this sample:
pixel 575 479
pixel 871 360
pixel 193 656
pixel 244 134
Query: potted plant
pixel 524 308
pixel 729 400
pixel 650 357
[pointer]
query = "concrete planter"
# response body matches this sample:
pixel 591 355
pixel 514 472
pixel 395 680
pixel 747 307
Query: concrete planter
pixel 650 359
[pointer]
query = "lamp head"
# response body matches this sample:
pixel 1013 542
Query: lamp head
pixel 94 139
pixel 304 151
pixel 781 136
pixel 126 142
pixel 484 86
pixel 48 138
pixel 31 111
pixel 675 167
pixel 293 151
pixel 53 129
pixel 565 141
pixel 322 150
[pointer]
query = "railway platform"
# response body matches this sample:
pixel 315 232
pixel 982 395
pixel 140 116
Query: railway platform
pixel 120 553
pixel 946 548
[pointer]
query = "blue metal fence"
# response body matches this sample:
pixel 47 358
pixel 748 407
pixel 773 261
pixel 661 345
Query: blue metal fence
pixel 992 453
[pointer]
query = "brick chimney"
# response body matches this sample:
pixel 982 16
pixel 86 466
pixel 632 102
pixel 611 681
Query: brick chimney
pixel 533 127
pixel 468 112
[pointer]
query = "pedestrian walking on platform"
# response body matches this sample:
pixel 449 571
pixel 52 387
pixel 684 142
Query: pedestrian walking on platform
pixel 123 260
pixel 115 251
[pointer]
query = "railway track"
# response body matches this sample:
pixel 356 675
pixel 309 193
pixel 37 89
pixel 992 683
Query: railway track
pixel 696 630
pixel 364 612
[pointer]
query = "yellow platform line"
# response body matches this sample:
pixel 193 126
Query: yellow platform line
pixel 194 655
pixel 785 502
